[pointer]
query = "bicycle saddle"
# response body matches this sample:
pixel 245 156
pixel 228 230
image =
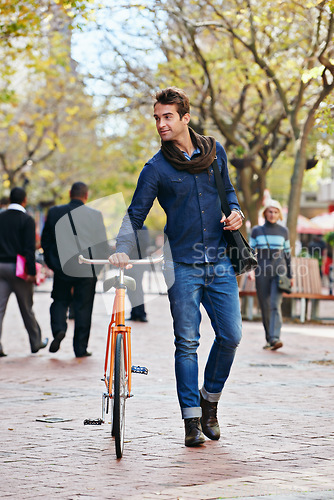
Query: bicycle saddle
pixel 130 283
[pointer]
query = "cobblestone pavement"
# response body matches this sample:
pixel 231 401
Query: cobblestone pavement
pixel 276 415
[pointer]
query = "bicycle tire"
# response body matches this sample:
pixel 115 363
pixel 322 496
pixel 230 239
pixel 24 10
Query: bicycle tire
pixel 120 395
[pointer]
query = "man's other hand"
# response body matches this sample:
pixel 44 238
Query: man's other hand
pixel 232 222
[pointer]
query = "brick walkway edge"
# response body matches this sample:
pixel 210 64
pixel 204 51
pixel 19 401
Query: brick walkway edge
pixel 276 416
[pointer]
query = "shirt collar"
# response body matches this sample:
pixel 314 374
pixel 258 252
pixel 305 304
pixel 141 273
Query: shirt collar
pixel 196 152
pixel 16 206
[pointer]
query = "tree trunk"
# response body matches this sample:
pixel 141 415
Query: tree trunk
pixel 295 192
pixel 298 171
pixel 251 200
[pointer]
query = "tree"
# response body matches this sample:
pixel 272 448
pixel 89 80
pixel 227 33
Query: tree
pixel 306 59
pixel 40 91
pixel 258 72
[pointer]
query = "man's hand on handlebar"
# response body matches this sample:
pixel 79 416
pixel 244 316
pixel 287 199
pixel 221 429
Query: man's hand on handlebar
pixel 120 260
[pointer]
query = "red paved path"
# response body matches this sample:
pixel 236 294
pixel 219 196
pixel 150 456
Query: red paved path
pixel 276 415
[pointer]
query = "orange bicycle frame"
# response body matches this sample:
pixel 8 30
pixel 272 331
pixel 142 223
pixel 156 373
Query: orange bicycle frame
pixel 118 320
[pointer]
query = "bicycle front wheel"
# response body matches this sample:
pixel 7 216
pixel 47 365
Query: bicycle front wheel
pixel 120 395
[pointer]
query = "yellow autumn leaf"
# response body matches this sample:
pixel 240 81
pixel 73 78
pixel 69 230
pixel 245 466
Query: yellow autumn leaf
pixel 312 73
pixel 60 145
pixel 49 143
pixel 72 110
pixel 16 129
pixel 46 174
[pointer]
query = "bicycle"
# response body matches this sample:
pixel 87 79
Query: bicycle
pixel 117 363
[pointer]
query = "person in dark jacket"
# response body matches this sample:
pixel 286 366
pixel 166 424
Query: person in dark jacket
pixel 71 230
pixel 136 297
pixel 274 259
pixel 17 236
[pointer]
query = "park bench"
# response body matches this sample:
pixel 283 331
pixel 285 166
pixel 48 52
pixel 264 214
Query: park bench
pixel 306 288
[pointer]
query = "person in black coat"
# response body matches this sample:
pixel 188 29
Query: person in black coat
pixel 71 230
pixel 136 296
pixel 17 236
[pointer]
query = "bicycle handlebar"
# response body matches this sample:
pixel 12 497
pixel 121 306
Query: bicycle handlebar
pixel 148 260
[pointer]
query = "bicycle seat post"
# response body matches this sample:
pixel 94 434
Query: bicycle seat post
pixel 121 275
pixel 120 299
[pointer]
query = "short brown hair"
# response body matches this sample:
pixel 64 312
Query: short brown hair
pixel 173 95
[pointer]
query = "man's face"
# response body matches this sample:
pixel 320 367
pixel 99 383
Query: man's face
pixel 170 126
pixel 272 214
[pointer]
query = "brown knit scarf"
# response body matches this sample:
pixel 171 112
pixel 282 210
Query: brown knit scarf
pixel 206 145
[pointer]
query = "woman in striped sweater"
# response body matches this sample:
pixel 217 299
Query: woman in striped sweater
pixel 273 252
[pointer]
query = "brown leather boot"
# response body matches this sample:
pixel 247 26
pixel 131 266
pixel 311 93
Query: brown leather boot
pixel 194 434
pixel 209 420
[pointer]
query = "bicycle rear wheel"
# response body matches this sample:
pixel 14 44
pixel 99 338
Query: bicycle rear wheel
pixel 120 395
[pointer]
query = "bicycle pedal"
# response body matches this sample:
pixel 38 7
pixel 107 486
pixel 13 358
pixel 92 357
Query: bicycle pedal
pixel 139 369
pixel 96 421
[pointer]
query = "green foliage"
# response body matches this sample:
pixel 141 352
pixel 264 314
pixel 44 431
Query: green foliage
pixel 325 116
pixel 329 238
pixel 255 73
pixel 252 71
pixel 44 111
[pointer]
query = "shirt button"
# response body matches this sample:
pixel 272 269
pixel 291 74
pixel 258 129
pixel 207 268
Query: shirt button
pixel 200 194
pixel 204 229
pixel 202 211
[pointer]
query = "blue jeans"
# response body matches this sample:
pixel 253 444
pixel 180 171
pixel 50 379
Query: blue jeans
pixel 270 300
pixel 215 286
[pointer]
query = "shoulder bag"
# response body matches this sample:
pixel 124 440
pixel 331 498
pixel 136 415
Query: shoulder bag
pixel 283 282
pixel 242 256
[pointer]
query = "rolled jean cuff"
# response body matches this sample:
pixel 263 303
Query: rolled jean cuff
pixel 191 412
pixel 212 397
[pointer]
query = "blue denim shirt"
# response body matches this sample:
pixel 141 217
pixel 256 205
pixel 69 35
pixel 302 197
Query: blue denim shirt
pixel 192 206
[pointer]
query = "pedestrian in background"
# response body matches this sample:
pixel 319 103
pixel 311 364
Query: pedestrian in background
pixel 328 268
pixel 80 231
pixel 271 241
pixel 136 296
pixel 17 236
pixel 317 249
pixel 199 272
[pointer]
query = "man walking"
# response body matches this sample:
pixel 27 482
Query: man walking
pixel 71 230
pixel 181 177
pixel 17 236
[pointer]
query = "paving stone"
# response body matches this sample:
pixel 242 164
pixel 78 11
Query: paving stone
pixel 276 415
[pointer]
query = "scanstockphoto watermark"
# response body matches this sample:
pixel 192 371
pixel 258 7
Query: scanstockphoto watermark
pixel 271 264
pixel 203 253
pixel 203 256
